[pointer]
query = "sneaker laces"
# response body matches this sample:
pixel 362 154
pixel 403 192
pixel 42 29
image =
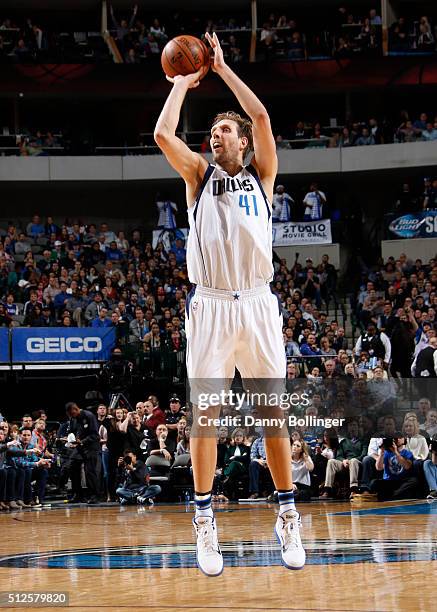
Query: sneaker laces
pixel 205 533
pixel 290 532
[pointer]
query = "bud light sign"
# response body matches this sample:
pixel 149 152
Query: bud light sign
pixel 57 344
pixel 416 225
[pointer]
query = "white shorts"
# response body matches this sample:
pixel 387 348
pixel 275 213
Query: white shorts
pixel 240 329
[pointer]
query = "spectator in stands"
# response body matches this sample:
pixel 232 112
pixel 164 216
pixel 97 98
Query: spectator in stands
pixel 61 298
pixel 430 425
pixel 398 481
pixel 402 343
pixel 32 302
pixel 295 47
pixel 155 416
pixel 22 245
pixel 8 471
pixel 314 202
pixel 5 318
pixel 301 466
pixel 258 464
pixel 136 432
pixel 365 139
pixel 375 19
pixel 268 39
pixel 398 36
pixel 183 445
pixel 123 27
pixel 350 454
pixel 425 40
pixel 429 133
pixel 237 459
pixel 35 228
pixel 415 442
pixel 93 309
pixel 102 320
pixel 234 54
pixel 430 471
pixel 375 343
pixel 425 362
pixel 282 205
pixel 407 133
pixel 30 467
pixel 179 251
pixel 162 445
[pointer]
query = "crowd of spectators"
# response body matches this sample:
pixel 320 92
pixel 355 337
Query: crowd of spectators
pixel 76 274
pixel 396 313
pixel 138 455
pixel 356 133
pixel 323 34
pixel 28 41
pixel 412 35
pixel 303 134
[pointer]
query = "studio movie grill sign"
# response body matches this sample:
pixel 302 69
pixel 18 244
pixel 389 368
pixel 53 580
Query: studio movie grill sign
pixel 300 230
pixel 64 345
pixel 307 232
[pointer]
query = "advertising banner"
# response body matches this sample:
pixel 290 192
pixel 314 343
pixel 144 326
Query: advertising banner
pixel 415 225
pixel 4 345
pixel 57 344
pixel 302 232
pixel 168 237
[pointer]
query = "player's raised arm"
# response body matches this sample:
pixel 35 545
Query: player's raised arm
pixel 191 166
pixel 265 158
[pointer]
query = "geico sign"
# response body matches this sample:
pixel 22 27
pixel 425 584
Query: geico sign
pixel 64 345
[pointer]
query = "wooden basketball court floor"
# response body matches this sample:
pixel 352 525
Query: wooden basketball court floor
pixel 372 557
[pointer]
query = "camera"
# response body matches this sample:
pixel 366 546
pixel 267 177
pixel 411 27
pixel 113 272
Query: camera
pixel 127 460
pixel 434 446
pixel 387 444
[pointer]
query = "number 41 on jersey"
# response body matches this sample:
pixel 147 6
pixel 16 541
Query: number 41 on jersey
pixel 249 203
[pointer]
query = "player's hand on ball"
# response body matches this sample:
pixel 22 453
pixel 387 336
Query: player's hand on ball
pixel 190 80
pixel 218 62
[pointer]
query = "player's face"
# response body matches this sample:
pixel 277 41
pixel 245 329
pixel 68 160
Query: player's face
pixel 226 145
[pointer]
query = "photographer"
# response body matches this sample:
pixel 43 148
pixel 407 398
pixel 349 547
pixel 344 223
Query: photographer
pixel 430 469
pixel 396 462
pixel 86 452
pixel 135 478
pixel 117 372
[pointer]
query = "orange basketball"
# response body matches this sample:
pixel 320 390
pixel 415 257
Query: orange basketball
pixel 185 55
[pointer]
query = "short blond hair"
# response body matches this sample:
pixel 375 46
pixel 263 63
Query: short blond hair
pixel 245 127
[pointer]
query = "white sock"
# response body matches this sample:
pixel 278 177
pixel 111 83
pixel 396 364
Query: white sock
pixel 286 501
pixel 203 504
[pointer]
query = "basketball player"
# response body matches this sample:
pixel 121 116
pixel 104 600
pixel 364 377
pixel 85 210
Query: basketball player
pixel 232 318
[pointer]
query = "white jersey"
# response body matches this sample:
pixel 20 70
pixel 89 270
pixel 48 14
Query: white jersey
pixel 230 241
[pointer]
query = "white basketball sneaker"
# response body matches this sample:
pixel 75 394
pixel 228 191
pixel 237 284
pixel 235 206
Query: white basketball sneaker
pixel 209 555
pixel 287 531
